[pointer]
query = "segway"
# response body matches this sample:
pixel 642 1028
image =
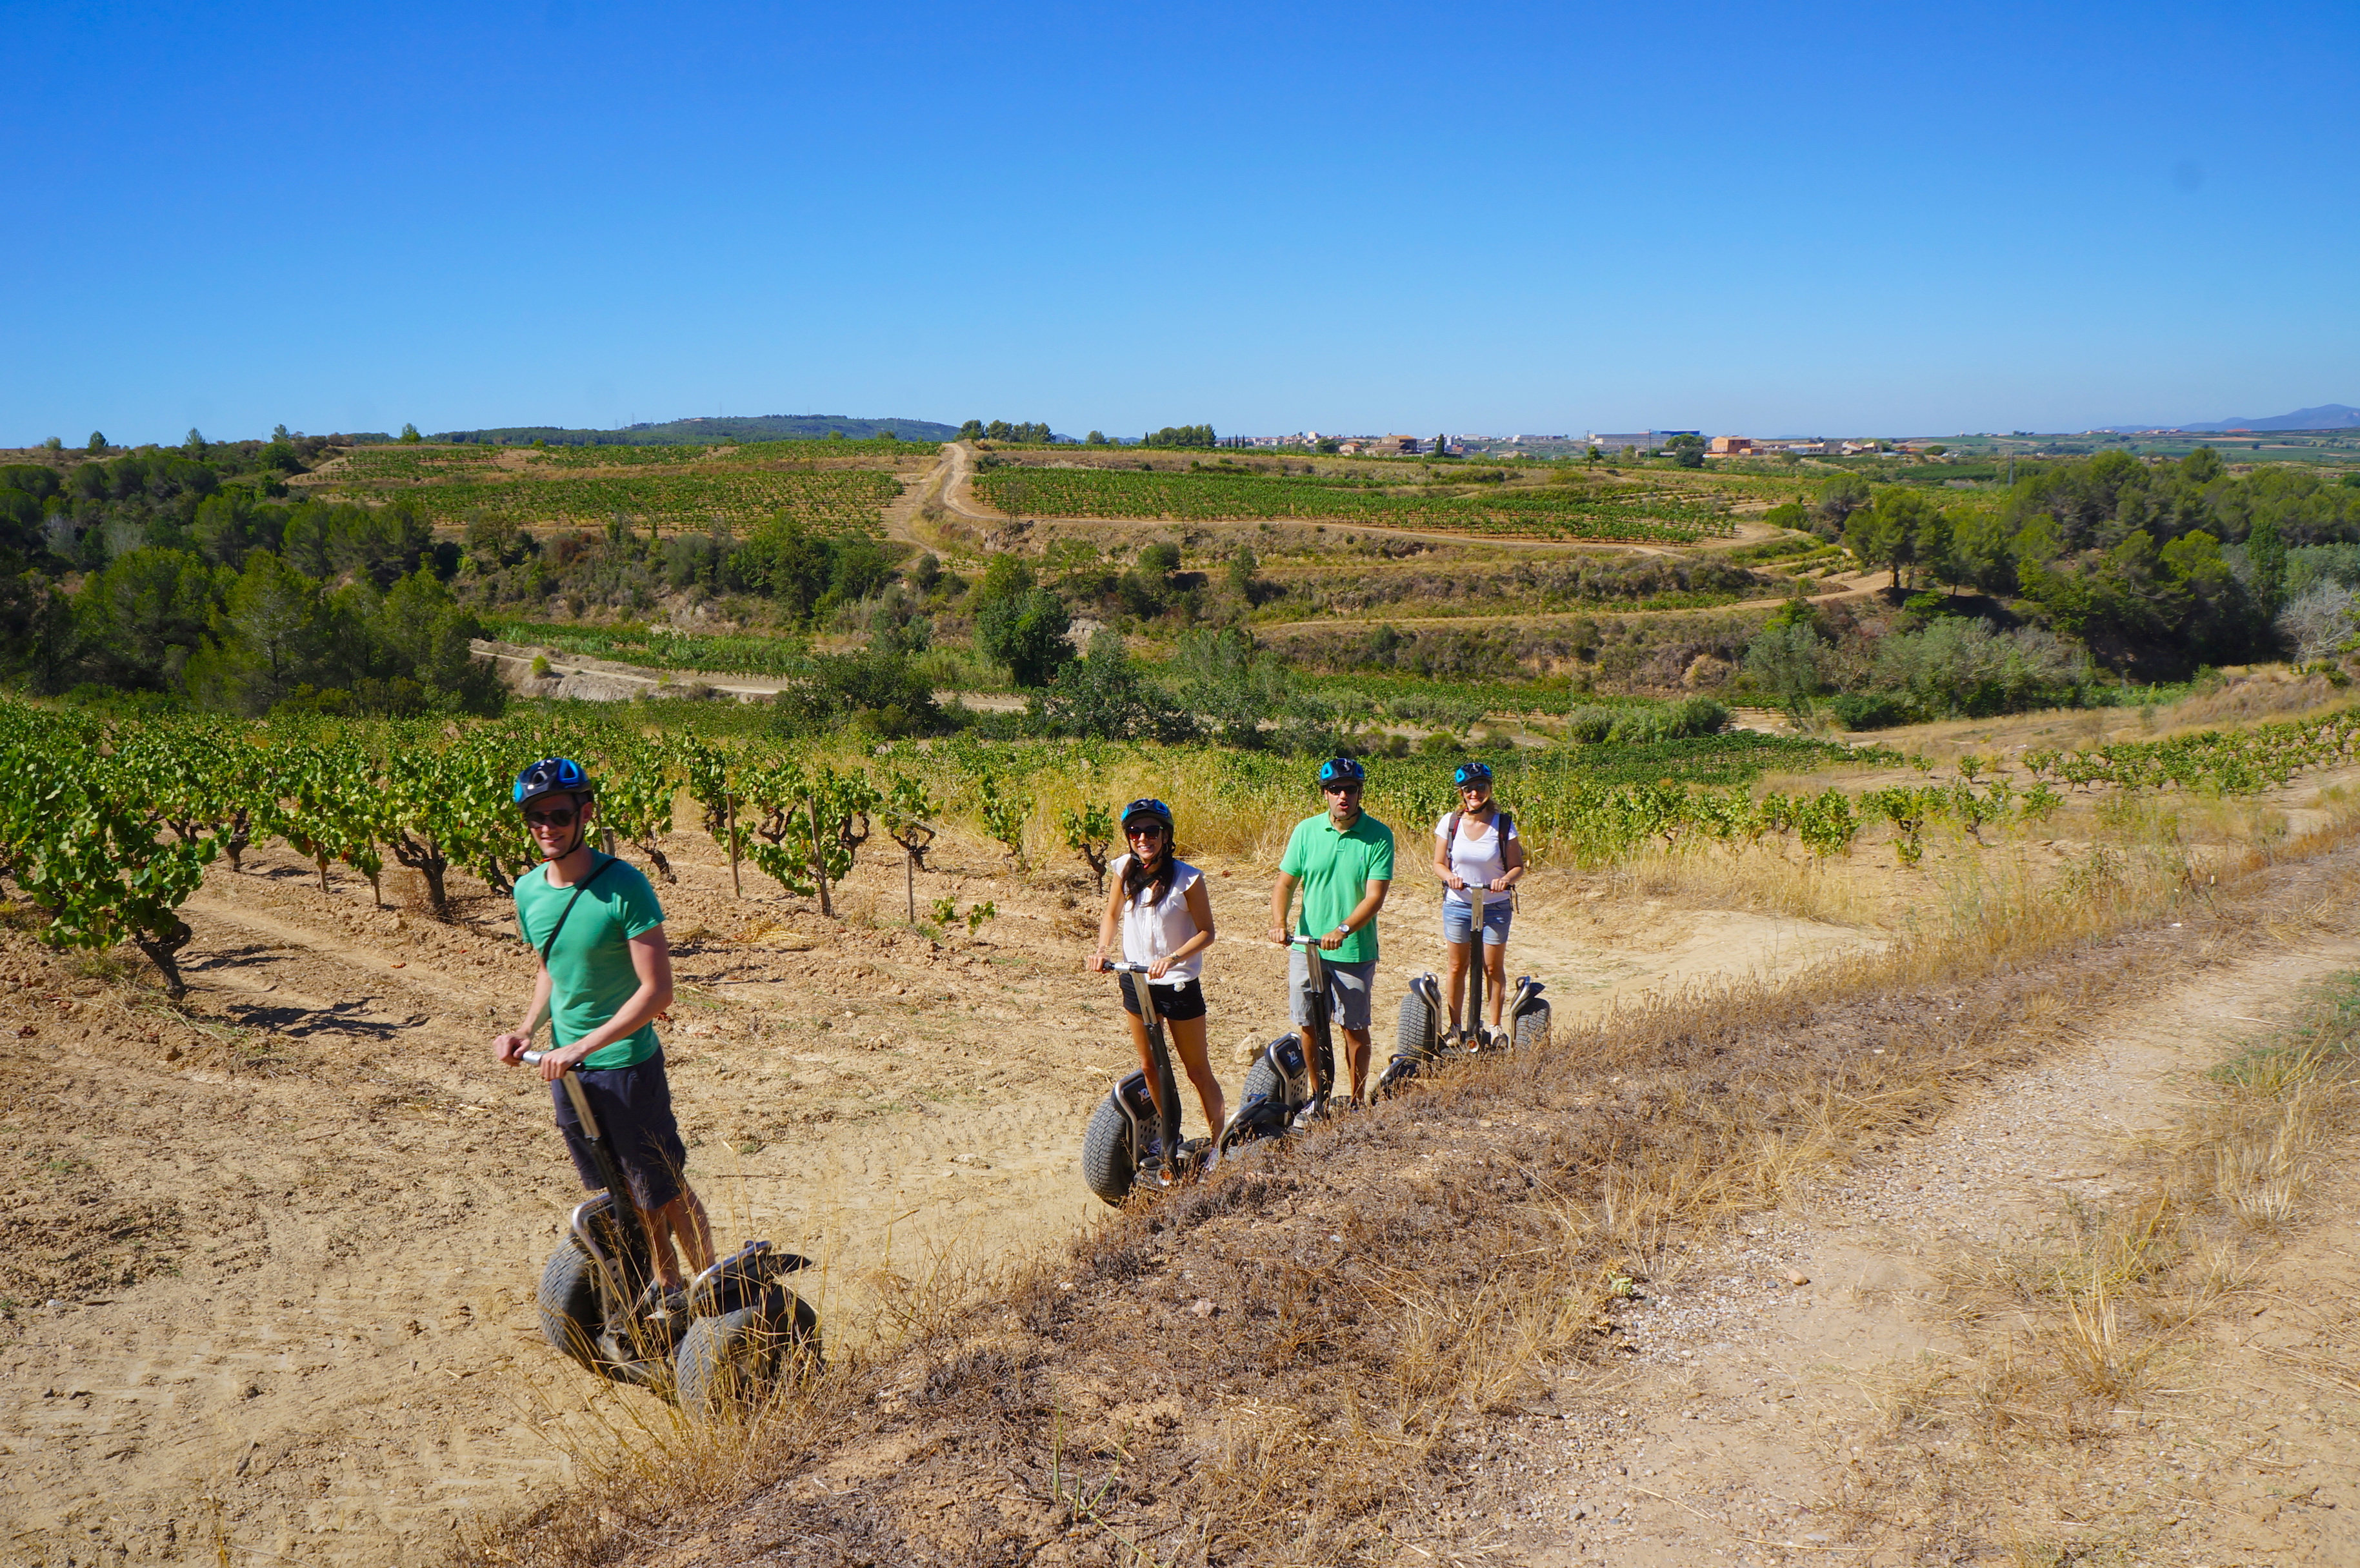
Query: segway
pixel 731 1337
pixel 1129 1141
pixel 1424 1040
pixel 1290 1081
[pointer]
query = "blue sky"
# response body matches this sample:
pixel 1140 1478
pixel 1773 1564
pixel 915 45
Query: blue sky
pixel 1365 217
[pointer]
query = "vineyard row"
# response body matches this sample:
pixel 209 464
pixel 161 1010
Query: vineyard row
pixel 1559 511
pixel 106 826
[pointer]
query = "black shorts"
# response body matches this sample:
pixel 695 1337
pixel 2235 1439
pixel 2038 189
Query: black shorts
pixel 1173 1003
pixel 633 1106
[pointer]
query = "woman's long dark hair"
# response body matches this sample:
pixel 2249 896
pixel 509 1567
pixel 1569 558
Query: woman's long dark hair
pixel 1135 876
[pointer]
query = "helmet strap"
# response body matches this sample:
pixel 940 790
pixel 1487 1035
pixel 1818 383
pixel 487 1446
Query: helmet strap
pixel 581 833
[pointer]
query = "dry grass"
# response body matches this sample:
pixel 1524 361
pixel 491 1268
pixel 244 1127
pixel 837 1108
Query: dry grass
pixel 1301 1359
pixel 1762 880
pixel 2073 1341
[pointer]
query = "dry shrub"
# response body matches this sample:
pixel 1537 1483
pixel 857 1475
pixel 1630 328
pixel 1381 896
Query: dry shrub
pixel 2249 699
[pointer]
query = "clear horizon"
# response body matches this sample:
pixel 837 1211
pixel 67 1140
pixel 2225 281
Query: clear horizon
pixel 1828 220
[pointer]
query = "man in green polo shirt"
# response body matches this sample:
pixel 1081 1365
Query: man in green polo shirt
pixel 1343 861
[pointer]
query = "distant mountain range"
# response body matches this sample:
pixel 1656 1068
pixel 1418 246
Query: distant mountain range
pixel 711 428
pixel 2326 417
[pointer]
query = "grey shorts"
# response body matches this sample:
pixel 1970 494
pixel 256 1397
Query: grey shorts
pixel 1348 990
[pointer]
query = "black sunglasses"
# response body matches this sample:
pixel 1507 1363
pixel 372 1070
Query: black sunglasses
pixel 1341 789
pixel 558 818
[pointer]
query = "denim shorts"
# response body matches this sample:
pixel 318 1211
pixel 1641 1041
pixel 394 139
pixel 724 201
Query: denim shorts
pixel 1458 920
pixel 1348 990
pixel 633 1106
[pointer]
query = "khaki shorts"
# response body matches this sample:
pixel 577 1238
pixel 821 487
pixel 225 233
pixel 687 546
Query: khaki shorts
pixel 1348 990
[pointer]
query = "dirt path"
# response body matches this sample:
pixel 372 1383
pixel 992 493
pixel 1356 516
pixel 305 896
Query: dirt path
pixel 1760 1408
pixel 612 680
pixel 291 1243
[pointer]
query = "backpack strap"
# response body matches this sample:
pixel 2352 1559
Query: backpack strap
pixel 562 915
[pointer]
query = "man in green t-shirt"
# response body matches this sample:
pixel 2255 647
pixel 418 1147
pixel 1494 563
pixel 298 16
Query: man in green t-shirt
pixel 605 973
pixel 1343 861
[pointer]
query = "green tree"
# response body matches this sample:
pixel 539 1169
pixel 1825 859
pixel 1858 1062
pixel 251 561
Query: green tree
pixel 1242 567
pixel 1687 451
pixel 2202 466
pixel 96 445
pixel 146 613
pixel 426 633
pixel 1095 438
pixel 266 639
pixel 2266 559
pixel 1107 696
pixel 1225 678
pixel 877 690
pixel 1788 657
pixel 1981 550
pixel 409 435
pixel 1840 497
pixel 857 567
pixel 1026 632
pixel 1888 533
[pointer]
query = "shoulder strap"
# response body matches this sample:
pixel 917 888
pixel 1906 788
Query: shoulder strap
pixel 1452 833
pixel 579 889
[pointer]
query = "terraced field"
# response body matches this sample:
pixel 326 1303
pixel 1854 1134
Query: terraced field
pixel 828 501
pixel 1571 512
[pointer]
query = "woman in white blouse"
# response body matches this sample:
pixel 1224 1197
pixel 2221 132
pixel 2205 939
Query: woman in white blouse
pixel 1158 904
pixel 1476 846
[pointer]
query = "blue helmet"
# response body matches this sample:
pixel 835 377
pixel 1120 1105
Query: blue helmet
pixel 1152 810
pixel 1472 773
pixel 552 776
pixel 1341 770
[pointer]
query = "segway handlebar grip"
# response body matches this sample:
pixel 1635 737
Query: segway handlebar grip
pixel 1125 966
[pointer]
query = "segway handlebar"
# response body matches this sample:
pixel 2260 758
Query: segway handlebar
pixel 1125 966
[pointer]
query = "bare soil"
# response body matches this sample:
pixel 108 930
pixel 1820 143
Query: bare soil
pixel 268 1259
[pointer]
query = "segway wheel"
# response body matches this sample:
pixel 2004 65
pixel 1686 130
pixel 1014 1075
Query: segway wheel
pixel 735 1359
pixel 1263 1082
pixel 567 1300
pixel 1418 1035
pixel 1399 1074
pixel 1529 1030
pixel 1108 1167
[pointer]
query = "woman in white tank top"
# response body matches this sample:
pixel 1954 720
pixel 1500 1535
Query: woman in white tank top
pixel 1158 908
pixel 1476 846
